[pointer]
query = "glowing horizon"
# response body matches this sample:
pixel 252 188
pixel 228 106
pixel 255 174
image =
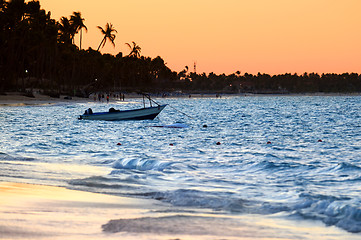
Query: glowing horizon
pixel 274 37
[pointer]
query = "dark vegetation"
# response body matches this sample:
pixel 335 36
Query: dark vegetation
pixel 37 51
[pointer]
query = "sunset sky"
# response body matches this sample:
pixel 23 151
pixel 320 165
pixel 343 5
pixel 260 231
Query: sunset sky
pixel 267 36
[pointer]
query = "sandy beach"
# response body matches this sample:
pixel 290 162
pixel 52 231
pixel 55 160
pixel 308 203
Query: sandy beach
pixel 17 99
pixel 12 99
pixel 44 212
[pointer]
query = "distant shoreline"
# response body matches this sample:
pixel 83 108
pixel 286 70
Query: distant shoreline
pixel 12 99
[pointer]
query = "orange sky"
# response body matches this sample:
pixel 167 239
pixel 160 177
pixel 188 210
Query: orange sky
pixel 267 36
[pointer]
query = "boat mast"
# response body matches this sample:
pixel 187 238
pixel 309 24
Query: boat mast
pixel 150 100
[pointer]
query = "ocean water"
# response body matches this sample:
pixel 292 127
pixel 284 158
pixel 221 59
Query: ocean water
pixel 295 156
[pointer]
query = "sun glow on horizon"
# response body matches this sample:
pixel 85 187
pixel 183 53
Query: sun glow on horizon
pixel 264 36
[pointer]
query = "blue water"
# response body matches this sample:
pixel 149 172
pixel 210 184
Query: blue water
pixel 295 155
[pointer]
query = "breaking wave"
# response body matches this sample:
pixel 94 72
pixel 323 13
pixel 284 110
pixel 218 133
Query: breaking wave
pixel 142 164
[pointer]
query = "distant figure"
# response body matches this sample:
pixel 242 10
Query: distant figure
pixel 99 97
pixel 123 97
pixel 107 98
pixel 103 97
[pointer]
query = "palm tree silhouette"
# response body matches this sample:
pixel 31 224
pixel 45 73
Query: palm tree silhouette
pixel 77 23
pixel 67 31
pixel 108 34
pixel 134 50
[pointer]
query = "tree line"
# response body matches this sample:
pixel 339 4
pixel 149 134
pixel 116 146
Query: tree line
pixel 281 83
pixel 37 51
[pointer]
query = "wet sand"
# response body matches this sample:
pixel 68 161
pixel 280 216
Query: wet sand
pixel 44 212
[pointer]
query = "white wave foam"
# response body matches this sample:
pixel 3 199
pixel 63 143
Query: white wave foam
pixel 330 211
pixel 141 164
pixel 336 213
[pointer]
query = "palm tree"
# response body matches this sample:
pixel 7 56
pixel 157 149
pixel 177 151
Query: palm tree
pixel 66 30
pixel 134 50
pixel 77 23
pixel 108 34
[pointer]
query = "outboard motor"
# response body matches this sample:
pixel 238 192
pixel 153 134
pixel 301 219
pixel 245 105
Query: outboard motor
pixel 88 111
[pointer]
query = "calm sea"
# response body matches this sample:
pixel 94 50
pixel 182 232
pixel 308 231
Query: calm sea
pixel 299 156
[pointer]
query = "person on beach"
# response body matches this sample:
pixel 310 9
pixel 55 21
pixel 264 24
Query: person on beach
pixel 107 98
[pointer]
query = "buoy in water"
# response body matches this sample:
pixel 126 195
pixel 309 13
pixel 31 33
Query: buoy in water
pixel 171 144
pixel 119 144
pixel 319 140
pixel 218 143
pixel 205 125
pixel 269 142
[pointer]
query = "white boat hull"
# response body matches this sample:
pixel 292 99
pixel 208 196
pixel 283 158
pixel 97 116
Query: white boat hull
pixel 135 114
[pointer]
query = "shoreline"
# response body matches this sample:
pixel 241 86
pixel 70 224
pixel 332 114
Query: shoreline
pixel 31 211
pixel 47 212
pixel 15 99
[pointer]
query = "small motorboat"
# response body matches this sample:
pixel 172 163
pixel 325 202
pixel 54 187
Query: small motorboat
pixel 119 115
